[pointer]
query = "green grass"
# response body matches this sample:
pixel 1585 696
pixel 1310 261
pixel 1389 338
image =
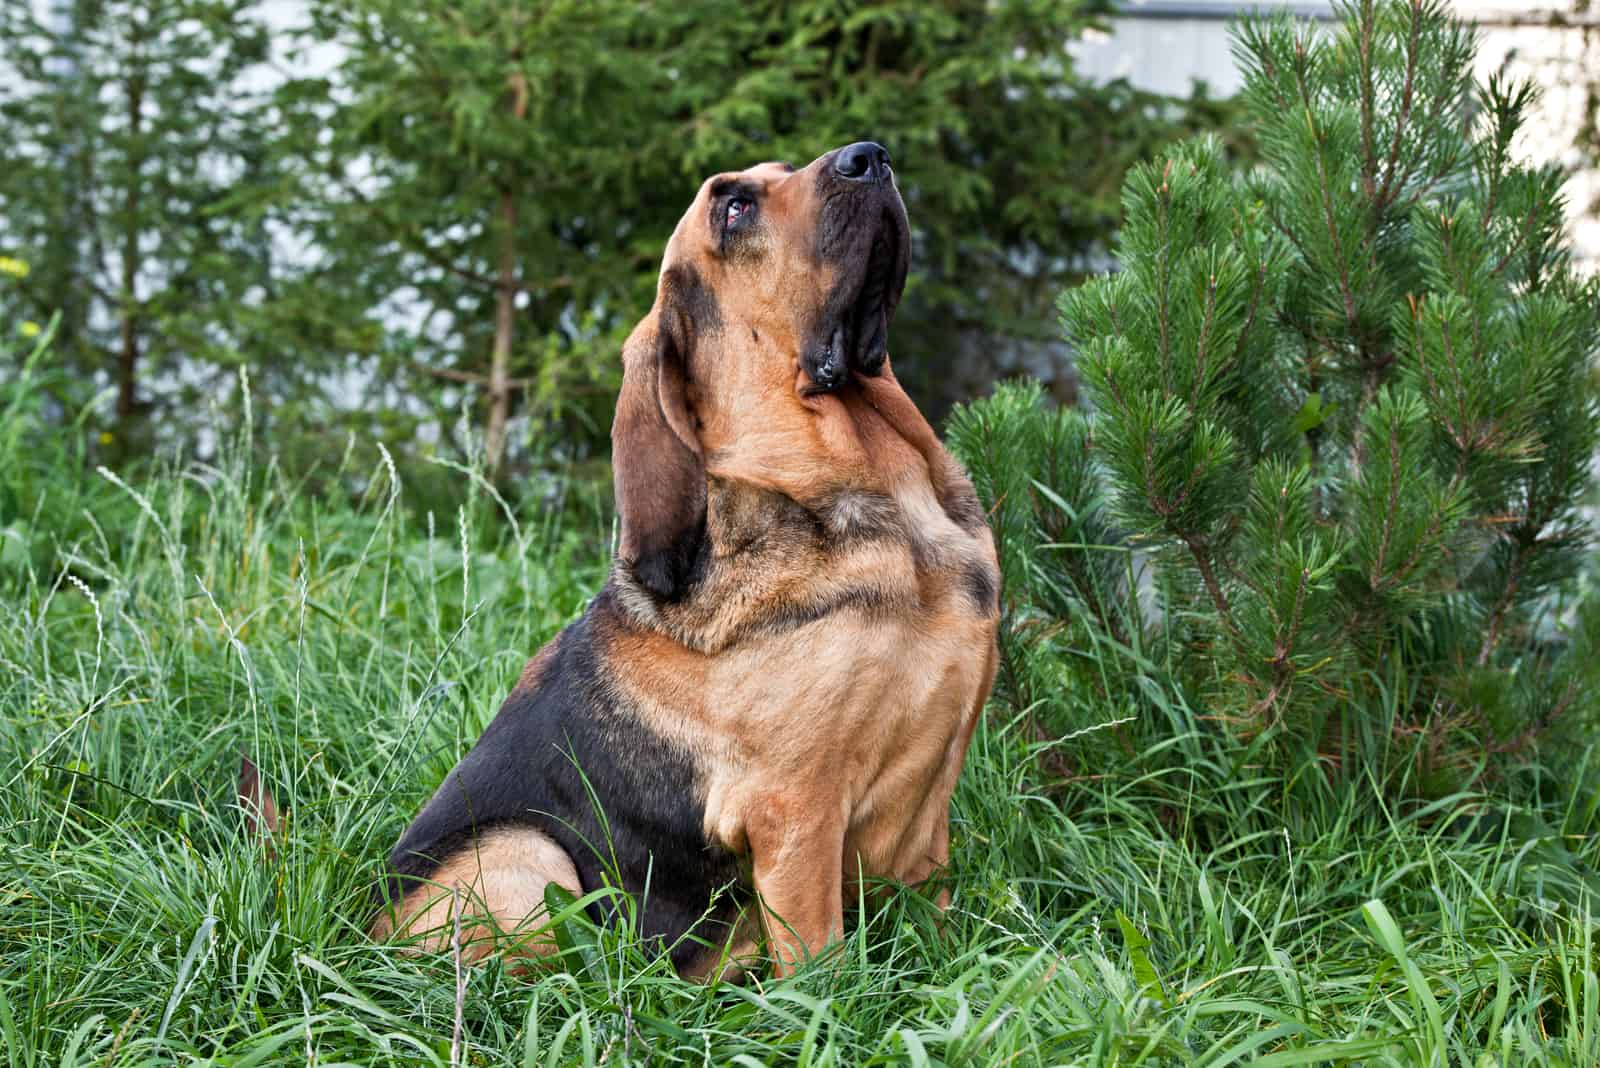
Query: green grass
pixel 1170 902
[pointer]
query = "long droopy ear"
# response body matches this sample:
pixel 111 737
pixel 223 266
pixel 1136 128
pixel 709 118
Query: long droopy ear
pixel 656 457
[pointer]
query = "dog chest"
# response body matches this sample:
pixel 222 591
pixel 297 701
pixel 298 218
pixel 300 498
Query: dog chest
pixel 861 719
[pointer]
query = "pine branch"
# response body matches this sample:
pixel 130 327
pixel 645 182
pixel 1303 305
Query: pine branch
pixel 1163 279
pixel 1497 616
pixel 1369 162
pixel 1283 651
pixel 1457 434
pixel 1391 510
pixel 1289 234
pixel 1318 136
pixel 1391 186
pixel 1207 316
pixel 1424 543
pixel 1200 552
pixel 1256 292
pixel 1423 190
pixel 1524 234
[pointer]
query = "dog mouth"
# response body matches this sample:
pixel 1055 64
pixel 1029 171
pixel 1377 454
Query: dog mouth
pixel 854 334
pixel 868 315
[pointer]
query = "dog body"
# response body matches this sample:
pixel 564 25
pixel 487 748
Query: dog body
pixel 775 690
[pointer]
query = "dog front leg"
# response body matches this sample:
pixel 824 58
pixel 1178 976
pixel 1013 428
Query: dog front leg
pixel 797 853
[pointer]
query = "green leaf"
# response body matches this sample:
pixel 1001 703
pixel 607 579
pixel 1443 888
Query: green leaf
pixel 574 938
pixel 1313 413
pixel 1144 971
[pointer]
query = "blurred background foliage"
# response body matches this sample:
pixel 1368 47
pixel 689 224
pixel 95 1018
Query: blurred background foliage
pixel 430 224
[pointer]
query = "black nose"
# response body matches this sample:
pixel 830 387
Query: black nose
pixel 864 161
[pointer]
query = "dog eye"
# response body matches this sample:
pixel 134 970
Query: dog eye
pixel 738 208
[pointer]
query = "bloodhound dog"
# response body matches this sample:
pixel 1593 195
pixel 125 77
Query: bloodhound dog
pixel 773 693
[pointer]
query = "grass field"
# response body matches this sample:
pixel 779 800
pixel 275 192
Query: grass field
pixel 1168 902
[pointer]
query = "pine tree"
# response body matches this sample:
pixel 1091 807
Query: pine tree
pixel 1343 401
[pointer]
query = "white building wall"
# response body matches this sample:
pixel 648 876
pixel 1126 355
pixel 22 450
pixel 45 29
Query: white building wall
pixel 1556 45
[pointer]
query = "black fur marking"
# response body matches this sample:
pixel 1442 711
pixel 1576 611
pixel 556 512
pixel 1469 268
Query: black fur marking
pixel 691 305
pixel 962 506
pixel 525 770
pixel 862 229
pixel 980 582
pixel 754 523
pixel 746 520
pixel 676 569
pixel 743 187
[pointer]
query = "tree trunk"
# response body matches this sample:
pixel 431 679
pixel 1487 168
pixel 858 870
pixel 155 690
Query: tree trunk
pixel 128 297
pixel 504 333
pixel 505 307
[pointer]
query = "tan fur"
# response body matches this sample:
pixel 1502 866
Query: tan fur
pixel 835 747
pixel 497 886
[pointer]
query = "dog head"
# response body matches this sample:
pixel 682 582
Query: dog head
pixel 777 287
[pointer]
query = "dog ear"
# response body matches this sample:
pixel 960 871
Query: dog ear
pixel 656 457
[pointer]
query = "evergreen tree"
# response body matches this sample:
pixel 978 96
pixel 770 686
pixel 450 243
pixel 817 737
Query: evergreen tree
pixel 129 130
pixel 468 175
pixel 1342 402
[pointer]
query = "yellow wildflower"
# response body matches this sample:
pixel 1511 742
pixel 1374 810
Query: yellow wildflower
pixel 14 267
pixel 28 328
pixel 106 438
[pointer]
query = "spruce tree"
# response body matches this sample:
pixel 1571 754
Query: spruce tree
pixel 131 131
pixel 1342 402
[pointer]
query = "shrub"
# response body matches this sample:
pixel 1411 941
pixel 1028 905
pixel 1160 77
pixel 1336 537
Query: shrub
pixel 1340 410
